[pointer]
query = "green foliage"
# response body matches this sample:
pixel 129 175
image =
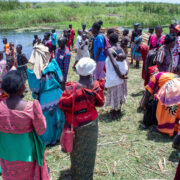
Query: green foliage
pixel 22 15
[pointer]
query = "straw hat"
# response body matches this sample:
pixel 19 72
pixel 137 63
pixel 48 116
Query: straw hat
pixel 85 66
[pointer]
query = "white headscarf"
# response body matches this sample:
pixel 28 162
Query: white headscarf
pixel 39 59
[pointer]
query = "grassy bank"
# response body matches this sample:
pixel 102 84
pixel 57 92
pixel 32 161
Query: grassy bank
pixel 136 153
pixel 20 15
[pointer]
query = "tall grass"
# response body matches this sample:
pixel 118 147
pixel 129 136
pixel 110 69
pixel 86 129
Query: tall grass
pixel 124 14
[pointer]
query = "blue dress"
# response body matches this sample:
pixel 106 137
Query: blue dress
pixel 48 91
pixel 137 55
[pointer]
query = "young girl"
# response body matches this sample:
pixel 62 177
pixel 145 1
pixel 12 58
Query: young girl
pixel 84 46
pixel 116 73
pixel 21 123
pixel 137 55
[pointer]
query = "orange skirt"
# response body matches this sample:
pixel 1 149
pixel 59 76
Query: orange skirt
pixel 166 118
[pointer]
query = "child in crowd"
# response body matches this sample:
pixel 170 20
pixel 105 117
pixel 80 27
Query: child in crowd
pixel 13 53
pixel 2 71
pixel 71 37
pixel 151 31
pixel 84 46
pixel 10 64
pixel 116 73
pixel 6 44
pixel 125 41
pixel 53 40
pixel 137 55
pixel 21 62
pixel 78 48
pixel 35 39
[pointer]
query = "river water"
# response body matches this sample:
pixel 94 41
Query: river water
pixel 24 38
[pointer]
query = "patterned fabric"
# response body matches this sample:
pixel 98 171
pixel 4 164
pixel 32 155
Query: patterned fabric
pixel 155 42
pixel 136 55
pixel 165 60
pixel 116 96
pixel 84 151
pixel 166 117
pixel 63 59
pixel 19 122
pixel 85 102
pixel 48 91
pixel 169 94
pixel 176 52
pixel 158 80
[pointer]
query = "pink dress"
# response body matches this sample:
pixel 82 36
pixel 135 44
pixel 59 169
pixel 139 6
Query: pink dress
pixel 155 42
pixel 19 122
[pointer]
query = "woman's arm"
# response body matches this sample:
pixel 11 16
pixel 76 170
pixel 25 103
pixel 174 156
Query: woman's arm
pixel 39 121
pixel 145 99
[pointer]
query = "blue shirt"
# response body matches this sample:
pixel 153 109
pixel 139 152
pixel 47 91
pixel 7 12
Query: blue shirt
pixel 99 43
pixel 54 39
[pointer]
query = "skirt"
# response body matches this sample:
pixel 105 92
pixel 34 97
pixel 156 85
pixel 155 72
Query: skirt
pixel 84 151
pixel 99 71
pixel 116 96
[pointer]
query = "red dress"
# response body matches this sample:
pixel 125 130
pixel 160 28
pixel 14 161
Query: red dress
pixel 19 122
pixel 144 52
pixel 86 101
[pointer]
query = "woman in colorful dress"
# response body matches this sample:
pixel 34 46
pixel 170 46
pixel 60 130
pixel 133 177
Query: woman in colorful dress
pixel 157 81
pixel 165 60
pixel 21 124
pixel 45 83
pixel 157 40
pixel 88 94
pixel 137 55
pixel 176 49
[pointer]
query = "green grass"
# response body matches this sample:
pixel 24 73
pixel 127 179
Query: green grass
pixel 136 152
pixel 20 15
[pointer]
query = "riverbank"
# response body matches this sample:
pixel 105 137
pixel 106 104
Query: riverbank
pixel 59 15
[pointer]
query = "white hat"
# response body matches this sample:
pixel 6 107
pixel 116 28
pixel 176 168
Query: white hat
pixel 85 66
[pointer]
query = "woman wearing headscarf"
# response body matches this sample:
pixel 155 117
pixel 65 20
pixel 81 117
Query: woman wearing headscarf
pixel 45 83
pixel 88 94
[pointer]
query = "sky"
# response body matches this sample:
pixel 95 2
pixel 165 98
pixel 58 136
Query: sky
pixel 166 1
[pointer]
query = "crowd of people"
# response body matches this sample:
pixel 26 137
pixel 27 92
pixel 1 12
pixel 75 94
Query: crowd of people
pixel 67 110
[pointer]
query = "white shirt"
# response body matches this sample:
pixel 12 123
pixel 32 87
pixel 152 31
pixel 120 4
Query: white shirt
pixel 78 40
pixel 112 79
